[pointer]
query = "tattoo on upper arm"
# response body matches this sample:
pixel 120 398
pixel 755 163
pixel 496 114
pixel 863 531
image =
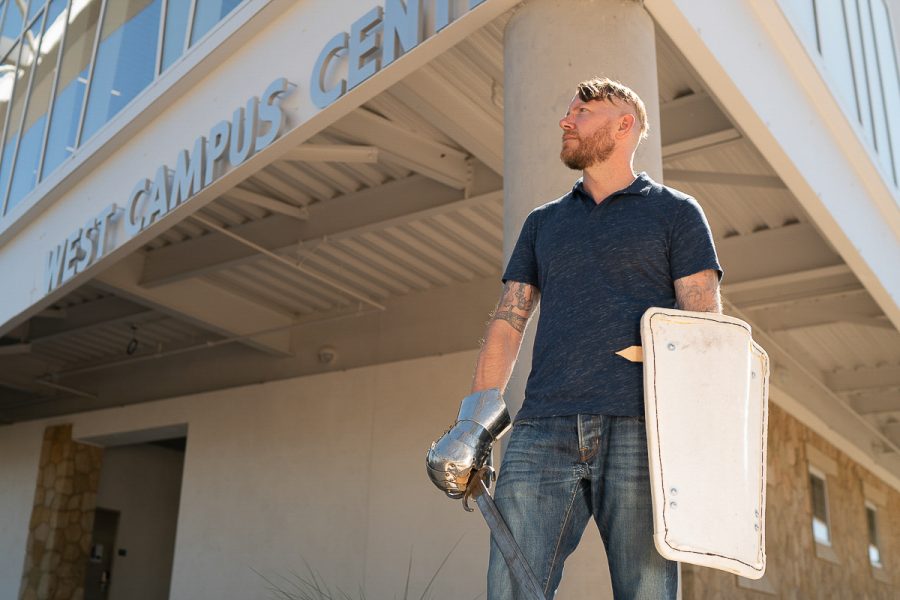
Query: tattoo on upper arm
pixel 516 304
pixel 699 292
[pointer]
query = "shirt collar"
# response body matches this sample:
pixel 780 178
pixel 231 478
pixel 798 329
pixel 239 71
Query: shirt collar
pixel 641 186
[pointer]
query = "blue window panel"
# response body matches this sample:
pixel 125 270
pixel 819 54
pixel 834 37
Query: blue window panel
pixel 27 61
pixel 125 64
pixel 14 21
pixel 76 61
pixel 28 158
pixel 27 162
pixel 34 8
pixel 177 13
pixel 63 129
pixel 8 79
pixel 208 13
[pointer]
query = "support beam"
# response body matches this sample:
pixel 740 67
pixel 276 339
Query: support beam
pixel 407 148
pixel 802 391
pixel 822 160
pixel 455 114
pixel 692 125
pixel 700 144
pixel 201 303
pixel 851 307
pixel 690 118
pixel 203 255
pixel 14 349
pixel 874 402
pixel 267 202
pixel 778 289
pixel 729 179
pixel 332 153
pixel 773 252
pixel 891 431
pixel 864 378
pixel 83 318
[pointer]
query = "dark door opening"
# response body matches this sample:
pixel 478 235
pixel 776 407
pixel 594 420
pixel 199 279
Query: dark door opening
pixel 99 568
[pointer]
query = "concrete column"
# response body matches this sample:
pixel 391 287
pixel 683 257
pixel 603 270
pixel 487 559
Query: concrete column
pixel 549 46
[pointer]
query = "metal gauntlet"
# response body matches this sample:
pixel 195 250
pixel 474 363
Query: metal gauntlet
pixel 466 446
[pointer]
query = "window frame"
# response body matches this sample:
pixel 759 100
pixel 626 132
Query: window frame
pixel 871 506
pixel 212 49
pixel 820 475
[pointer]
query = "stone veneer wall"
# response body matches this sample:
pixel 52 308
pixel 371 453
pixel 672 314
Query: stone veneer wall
pixel 794 571
pixel 62 519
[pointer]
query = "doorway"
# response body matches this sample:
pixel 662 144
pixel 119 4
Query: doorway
pixel 133 544
pixel 99 568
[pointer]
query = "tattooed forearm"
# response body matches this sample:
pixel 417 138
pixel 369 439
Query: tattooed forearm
pixel 699 292
pixel 510 317
pixel 516 304
pixel 524 301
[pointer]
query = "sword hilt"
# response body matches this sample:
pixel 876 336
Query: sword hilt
pixel 475 488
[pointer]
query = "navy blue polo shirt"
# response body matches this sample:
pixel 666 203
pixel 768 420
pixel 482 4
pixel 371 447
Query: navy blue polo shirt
pixel 599 267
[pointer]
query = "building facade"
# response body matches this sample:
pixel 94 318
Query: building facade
pixel 248 248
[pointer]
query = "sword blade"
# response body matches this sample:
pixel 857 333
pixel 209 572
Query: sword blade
pixel 503 537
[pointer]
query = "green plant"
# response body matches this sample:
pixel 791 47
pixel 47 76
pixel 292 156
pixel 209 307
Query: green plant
pixel 311 586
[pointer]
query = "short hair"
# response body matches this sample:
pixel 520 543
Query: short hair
pixel 603 88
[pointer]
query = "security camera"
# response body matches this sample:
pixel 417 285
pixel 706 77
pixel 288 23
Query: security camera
pixel 327 355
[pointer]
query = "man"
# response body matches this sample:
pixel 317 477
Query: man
pixel 596 259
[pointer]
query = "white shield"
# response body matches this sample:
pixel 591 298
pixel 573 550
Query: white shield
pixel 706 390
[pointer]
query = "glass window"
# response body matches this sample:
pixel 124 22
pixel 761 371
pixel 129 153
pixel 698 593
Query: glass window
pixel 28 50
pixel 73 72
pixel 8 78
pixel 820 523
pixel 28 157
pixel 854 36
pixel 13 21
pixel 802 14
pixel 176 27
pixel 890 79
pixel 879 126
pixel 69 73
pixel 125 60
pixel 872 527
pixel 34 8
pixel 207 14
pixel 836 51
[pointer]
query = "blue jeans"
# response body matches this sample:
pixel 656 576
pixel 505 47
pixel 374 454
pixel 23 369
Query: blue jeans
pixel 558 472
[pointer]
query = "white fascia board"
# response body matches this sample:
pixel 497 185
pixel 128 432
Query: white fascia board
pixel 286 46
pixel 750 58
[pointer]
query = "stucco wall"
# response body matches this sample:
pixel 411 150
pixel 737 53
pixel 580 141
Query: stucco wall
pixel 794 570
pixel 326 470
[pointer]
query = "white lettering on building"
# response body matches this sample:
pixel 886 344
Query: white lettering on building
pixel 376 39
pixel 251 129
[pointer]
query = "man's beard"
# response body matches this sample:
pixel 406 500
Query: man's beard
pixel 588 152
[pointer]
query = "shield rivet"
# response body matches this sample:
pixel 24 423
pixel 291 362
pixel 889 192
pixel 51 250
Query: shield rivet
pixel 673 491
pixel 671 346
pixel 752 374
pixel 673 505
pixel 756 513
pixel 756 527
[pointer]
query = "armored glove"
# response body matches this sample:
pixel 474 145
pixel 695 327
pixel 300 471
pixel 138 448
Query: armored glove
pixel 466 446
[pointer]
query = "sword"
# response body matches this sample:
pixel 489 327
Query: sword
pixel 503 537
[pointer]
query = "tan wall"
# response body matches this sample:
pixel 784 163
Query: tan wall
pixel 794 570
